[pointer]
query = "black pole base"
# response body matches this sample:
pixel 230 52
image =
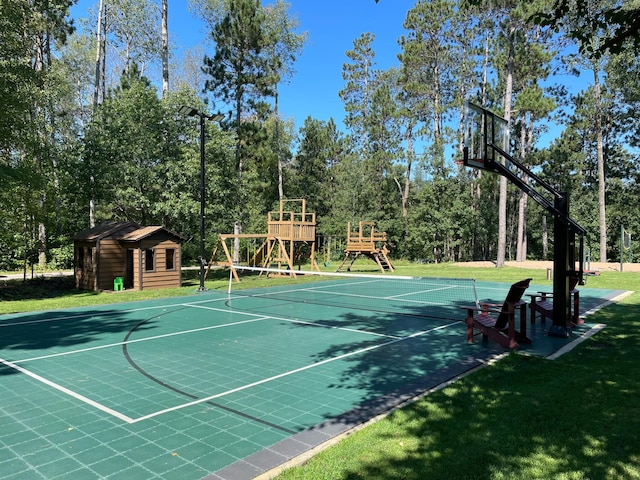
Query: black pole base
pixel 558 331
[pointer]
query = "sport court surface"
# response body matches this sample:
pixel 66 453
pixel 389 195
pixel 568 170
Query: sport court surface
pixel 223 387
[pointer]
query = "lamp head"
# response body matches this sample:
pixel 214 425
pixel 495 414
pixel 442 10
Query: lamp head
pixel 190 111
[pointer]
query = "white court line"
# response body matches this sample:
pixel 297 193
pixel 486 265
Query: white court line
pixel 65 390
pixel 302 322
pixel 106 313
pixel 282 375
pixel 164 335
pixel 449 287
pixel 14 365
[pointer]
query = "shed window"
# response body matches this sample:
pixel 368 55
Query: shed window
pixel 170 256
pixel 80 258
pixel 149 258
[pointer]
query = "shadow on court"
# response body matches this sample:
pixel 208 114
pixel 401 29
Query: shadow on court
pixel 573 416
pixel 205 386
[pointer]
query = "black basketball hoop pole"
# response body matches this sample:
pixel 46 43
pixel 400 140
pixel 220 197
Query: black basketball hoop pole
pixel 565 229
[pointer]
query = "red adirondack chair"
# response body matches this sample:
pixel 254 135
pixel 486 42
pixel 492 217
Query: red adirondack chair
pixel 497 321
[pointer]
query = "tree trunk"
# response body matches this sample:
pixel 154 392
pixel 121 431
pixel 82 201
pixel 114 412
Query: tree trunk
pixel 98 89
pixel 165 48
pixel 601 175
pixel 280 166
pixel 502 202
pixel 521 241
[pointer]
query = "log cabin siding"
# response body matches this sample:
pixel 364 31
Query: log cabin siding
pixel 160 277
pixel 118 250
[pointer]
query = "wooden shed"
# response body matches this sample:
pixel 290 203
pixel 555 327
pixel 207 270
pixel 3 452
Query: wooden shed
pixel 143 257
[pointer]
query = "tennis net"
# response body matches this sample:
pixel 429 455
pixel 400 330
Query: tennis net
pixel 406 295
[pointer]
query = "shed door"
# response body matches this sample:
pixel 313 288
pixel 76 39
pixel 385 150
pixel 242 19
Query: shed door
pixel 128 279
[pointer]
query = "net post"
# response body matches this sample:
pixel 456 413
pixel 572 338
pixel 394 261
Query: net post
pixel 230 279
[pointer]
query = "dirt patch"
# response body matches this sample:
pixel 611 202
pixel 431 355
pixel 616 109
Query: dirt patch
pixel 595 266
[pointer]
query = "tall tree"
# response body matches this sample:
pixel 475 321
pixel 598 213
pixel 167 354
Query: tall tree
pixel 281 51
pixel 165 48
pixel 360 83
pixel 592 35
pixel 239 77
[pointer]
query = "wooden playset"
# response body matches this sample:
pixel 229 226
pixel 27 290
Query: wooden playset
pixel 366 241
pixel 291 234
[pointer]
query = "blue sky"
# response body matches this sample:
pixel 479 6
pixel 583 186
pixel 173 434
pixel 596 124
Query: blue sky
pixel 331 25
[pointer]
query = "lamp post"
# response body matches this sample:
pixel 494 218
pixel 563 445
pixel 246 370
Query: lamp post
pixel 192 112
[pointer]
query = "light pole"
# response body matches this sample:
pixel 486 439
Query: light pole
pixel 192 112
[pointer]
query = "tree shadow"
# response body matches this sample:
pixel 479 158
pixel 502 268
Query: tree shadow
pixel 574 417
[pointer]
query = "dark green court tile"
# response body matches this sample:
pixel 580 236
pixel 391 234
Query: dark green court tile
pixel 44 456
pixel 194 450
pixel 64 436
pixel 216 460
pixel 124 443
pixel 15 467
pixel 23 475
pixel 223 438
pixel 164 463
pixel 15 437
pixel 242 448
pixel 30 447
pixel 145 451
pixel 245 429
pixel 135 472
pixel 174 441
pixel 94 455
pixel 83 473
pixel 59 467
pixel 183 422
pixel 100 426
pixel 183 472
pixel 159 432
pixel 81 444
pixel 201 431
pixel 109 465
pixel 268 436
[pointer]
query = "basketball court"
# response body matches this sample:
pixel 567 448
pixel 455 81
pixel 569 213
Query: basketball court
pixel 229 385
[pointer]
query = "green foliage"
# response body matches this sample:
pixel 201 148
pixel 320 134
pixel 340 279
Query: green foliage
pixel 390 163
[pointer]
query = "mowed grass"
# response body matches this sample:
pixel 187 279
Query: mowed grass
pixel 577 417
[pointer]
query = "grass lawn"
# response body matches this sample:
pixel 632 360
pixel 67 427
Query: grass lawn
pixel 577 417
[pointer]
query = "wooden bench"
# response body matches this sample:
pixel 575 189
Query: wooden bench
pixel 541 304
pixel 497 321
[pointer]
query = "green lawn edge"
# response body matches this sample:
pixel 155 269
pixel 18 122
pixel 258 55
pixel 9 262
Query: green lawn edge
pixel 522 417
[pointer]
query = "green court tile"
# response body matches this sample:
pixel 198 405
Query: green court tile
pixel 184 471
pixel 60 467
pixel 194 450
pixel 174 441
pixel 135 472
pixel 20 475
pixel 304 376
pixel 31 447
pixel 82 473
pixel 94 455
pixel 43 456
pixel 145 451
pixel 267 437
pixel 81 444
pixel 242 448
pixel 217 459
pixel 113 464
pixel 124 443
pixel 165 463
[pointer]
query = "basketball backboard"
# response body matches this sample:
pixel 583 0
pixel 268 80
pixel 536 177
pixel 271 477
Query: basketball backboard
pixel 483 131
